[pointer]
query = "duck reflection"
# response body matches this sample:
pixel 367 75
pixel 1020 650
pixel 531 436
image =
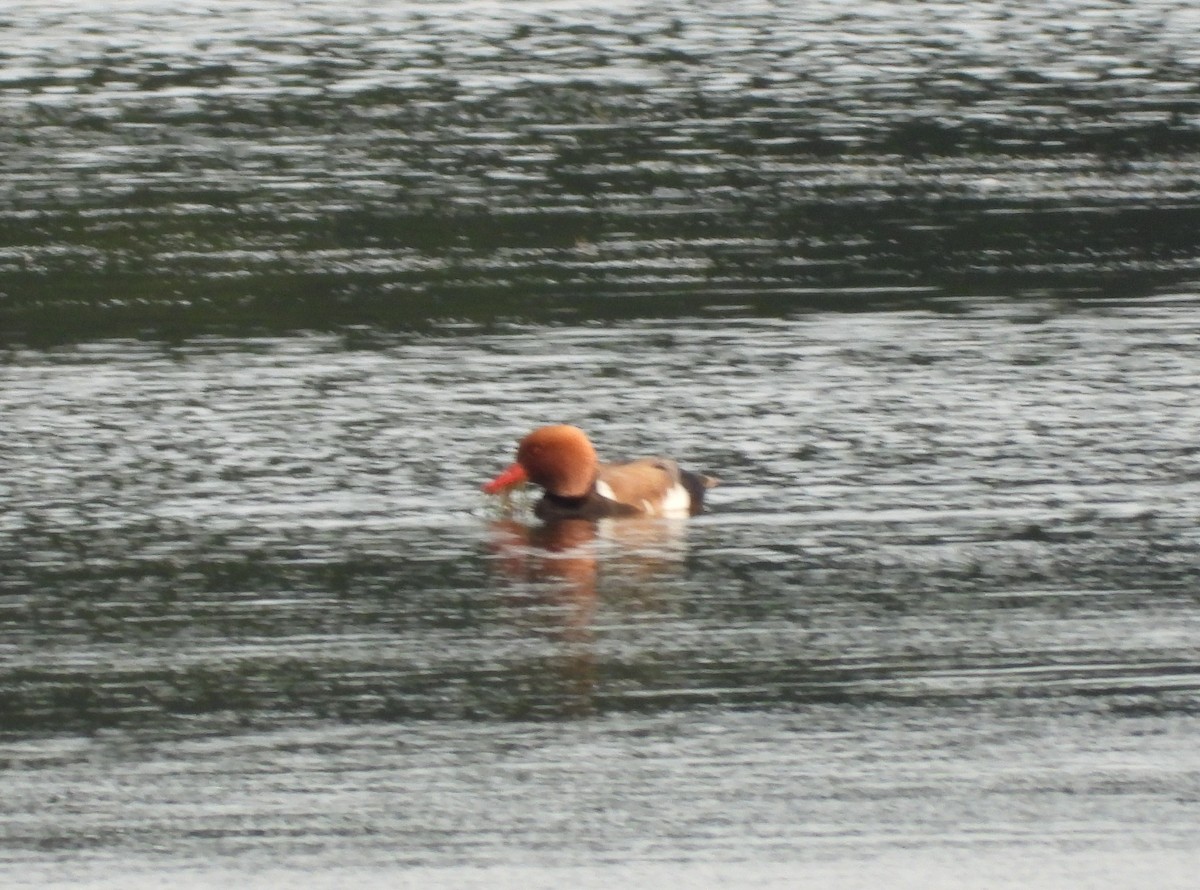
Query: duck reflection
pixel 567 555
pixel 560 554
pixel 562 573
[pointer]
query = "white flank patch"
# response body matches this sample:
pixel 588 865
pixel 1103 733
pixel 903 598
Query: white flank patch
pixel 677 502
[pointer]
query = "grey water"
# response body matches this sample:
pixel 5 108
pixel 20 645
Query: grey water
pixel 281 283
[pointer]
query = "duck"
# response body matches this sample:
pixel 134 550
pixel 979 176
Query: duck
pixel 562 460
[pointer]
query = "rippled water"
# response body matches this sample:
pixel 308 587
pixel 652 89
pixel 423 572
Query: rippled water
pixel 255 608
pixel 316 164
pixel 281 284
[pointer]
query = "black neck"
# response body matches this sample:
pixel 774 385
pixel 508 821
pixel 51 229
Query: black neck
pixel 566 503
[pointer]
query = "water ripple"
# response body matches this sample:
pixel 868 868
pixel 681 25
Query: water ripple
pixel 325 167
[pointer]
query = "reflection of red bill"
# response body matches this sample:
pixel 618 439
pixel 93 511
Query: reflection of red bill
pixel 509 479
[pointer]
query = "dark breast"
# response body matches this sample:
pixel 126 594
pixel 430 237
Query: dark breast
pixel 590 506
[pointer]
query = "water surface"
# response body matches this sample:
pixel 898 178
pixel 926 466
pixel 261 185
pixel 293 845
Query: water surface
pixel 315 164
pixel 255 608
pixel 281 284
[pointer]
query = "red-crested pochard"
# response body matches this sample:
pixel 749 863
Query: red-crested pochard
pixel 577 486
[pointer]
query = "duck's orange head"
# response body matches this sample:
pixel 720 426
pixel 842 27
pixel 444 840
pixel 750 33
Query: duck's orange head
pixel 558 458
